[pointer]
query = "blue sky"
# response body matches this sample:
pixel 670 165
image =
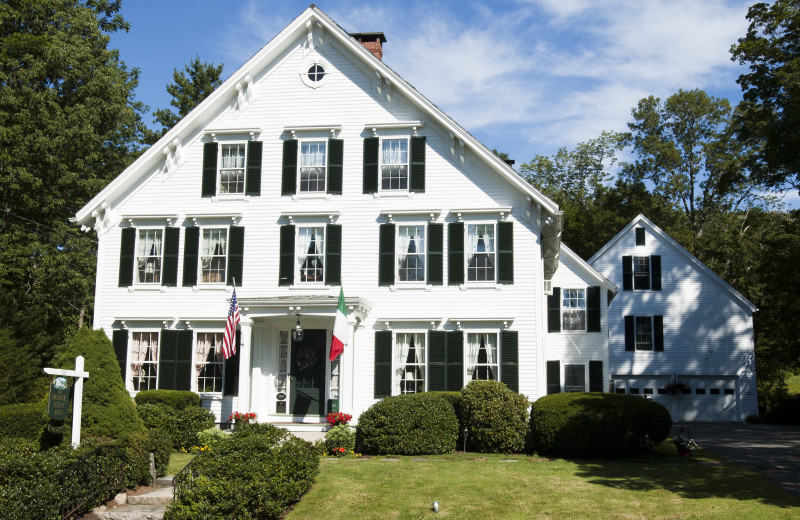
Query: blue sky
pixel 525 77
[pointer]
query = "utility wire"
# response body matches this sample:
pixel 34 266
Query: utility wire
pixel 23 223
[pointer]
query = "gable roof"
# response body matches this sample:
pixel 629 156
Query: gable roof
pixel 309 20
pixel 573 257
pixel 690 258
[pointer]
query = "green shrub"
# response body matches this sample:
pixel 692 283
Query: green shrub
pixel 178 399
pixel 596 425
pixel 108 410
pixel 25 420
pixel 161 447
pixel 495 416
pixel 181 425
pixel 258 472
pixel 411 424
pixel 341 436
pixel 21 379
pixel 211 437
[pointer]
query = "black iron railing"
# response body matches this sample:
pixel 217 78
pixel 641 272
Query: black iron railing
pixel 183 481
pixel 94 476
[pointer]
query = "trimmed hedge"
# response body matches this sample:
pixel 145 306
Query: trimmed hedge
pixel 340 436
pixel 258 472
pixel 181 425
pixel 584 425
pixel 178 399
pixel 24 421
pixel 411 424
pixel 495 416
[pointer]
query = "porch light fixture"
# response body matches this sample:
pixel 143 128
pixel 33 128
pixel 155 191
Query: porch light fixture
pixel 298 332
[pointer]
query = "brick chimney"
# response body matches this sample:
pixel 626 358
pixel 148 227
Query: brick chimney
pixel 373 41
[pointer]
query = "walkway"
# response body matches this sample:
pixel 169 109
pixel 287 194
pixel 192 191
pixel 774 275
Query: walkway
pixel 773 450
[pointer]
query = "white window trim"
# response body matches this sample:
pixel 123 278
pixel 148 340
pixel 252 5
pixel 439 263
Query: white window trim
pixel 649 273
pixel 636 348
pixel 313 194
pixel 479 283
pixel 200 282
pixel 585 366
pixel 400 191
pixel 317 284
pixel 585 310
pixel 497 362
pixel 147 285
pixel 229 195
pixel 396 367
pixel 196 361
pixel 410 284
pixel 128 360
pixel 317 60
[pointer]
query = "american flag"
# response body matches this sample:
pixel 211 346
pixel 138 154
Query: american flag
pixel 229 342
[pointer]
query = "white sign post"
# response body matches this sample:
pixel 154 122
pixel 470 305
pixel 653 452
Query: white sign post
pixel 77 401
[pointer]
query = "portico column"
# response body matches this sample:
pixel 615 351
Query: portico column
pixel 245 357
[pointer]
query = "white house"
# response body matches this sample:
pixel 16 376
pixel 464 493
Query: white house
pixel 316 168
pixel 675 320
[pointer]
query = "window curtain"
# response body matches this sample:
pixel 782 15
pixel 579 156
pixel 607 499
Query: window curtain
pixel 410 360
pixel 406 234
pixel 482 355
pixel 312 155
pixel 144 349
pixel 204 347
pixel 403 347
pixel 473 347
pixel 487 232
pixel 304 238
pixel 149 253
pixel 214 245
pixel 233 157
pixel 395 151
pixel 472 243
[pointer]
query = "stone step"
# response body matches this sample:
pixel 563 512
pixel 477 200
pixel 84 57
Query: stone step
pixel 160 496
pixel 163 482
pixel 133 512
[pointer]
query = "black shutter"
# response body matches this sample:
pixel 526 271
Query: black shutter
pixel 333 255
pixel 127 251
pixel 593 309
pixel 509 358
pixel 289 177
pixel 335 166
pixel 191 247
pixel 437 356
pixel 639 236
pixel 435 254
pixel 169 270
pixel 417 181
pixel 120 341
pixel 554 310
pixel 455 361
pixel 386 252
pixel 286 268
pixel 183 361
pixel 655 272
pixel 596 376
pixel 209 188
pixel 658 333
pixel 235 255
pixel 231 369
pixel 630 333
pixel 553 377
pixel 167 353
pixel 505 252
pixel 627 273
pixel 253 178
pixel 371 155
pixel 455 253
pixel 383 364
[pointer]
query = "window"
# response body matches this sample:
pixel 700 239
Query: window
pixel 641 272
pixel 209 362
pixel 311 254
pixel 644 333
pixel 639 236
pixel 144 360
pixel 148 256
pixel 411 253
pixel 316 72
pixel 213 257
pixel 482 357
pixel 573 308
pixel 232 168
pixel 480 253
pixel 574 378
pixel 394 164
pixel 411 359
pixel 313 165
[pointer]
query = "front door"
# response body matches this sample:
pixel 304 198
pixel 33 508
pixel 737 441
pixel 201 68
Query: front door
pixel 307 373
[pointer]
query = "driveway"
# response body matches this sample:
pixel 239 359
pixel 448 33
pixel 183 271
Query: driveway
pixel 773 450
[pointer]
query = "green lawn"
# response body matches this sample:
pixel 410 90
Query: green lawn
pixel 177 461
pixel 793 382
pixel 484 486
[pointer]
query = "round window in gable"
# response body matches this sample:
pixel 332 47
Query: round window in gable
pixel 316 72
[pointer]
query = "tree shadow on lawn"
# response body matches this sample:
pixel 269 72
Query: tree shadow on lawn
pixel 689 478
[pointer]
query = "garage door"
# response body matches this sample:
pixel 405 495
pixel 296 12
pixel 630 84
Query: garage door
pixel 707 398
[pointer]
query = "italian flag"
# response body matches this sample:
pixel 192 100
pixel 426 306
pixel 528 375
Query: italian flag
pixel 339 328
